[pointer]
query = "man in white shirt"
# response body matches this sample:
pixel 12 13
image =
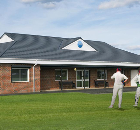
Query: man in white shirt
pixel 118 86
pixel 137 80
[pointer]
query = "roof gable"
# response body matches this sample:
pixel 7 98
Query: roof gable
pixel 79 45
pixel 5 39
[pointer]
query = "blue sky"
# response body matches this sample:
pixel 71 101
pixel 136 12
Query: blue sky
pixel 116 22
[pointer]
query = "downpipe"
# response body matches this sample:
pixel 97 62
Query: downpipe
pixel 34 76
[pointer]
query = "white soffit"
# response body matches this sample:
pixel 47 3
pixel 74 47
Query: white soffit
pixel 5 39
pixel 79 45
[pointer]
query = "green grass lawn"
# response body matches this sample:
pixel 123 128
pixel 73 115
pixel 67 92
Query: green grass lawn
pixel 68 111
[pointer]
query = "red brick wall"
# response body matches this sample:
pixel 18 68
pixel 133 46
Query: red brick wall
pixel 47 81
pixel 8 87
pixel 127 72
pixel 48 77
pixel 110 72
pixel 93 76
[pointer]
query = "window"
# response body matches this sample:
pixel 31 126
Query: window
pixel 58 74
pixel 20 75
pixel 100 74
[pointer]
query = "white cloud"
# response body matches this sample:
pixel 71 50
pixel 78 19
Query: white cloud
pixel 29 1
pixel 118 3
pixel 136 47
pixel 49 4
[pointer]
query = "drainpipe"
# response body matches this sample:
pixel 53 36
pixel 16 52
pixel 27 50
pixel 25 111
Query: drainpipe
pixel 104 78
pixel 61 79
pixel 34 76
pixel 84 77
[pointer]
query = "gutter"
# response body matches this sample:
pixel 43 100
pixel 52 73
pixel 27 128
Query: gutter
pixel 34 76
pixel 69 62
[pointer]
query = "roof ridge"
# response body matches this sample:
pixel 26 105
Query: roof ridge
pixel 42 35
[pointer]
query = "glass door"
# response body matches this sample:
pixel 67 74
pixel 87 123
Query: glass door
pixel 80 78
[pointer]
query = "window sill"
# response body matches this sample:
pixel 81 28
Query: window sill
pixel 20 81
pixel 62 80
pixel 101 79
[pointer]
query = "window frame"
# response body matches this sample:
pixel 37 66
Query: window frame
pixel 62 79
pixel 105 74
pixel 20 69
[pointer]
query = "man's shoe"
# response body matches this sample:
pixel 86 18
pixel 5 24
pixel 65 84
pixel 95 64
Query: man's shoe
pixel 135 105
pixel 110 106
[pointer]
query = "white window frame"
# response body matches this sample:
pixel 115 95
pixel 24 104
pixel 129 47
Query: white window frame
pixel 105 73
pixel 60 70
pixel 20 69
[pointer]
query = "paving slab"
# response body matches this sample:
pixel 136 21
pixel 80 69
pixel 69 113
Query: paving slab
pixel 89 90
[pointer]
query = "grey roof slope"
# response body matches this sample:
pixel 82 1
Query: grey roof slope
pixel 50 48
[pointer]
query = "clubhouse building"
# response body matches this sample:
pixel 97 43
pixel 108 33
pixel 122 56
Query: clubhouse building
pixel 32 63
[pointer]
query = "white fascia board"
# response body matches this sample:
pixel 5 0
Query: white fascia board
pixel 17 60
pixel 88 63
pixel 67 62
pixel 5 39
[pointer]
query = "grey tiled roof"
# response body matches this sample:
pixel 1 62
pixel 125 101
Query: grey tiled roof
pixel 50 48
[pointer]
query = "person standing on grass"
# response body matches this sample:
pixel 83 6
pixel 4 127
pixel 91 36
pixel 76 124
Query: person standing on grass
pixel 118 86
pixel 137 80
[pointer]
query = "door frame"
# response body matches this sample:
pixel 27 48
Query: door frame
pixel 83 79
pixel 134 73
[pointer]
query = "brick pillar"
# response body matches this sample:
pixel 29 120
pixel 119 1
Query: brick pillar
pixel 37 78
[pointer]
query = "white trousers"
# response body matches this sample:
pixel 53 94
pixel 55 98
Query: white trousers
pixel 137 96
pixel 117 89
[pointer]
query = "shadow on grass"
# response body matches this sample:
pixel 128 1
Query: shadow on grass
pixel 119 109
pixel 138 108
